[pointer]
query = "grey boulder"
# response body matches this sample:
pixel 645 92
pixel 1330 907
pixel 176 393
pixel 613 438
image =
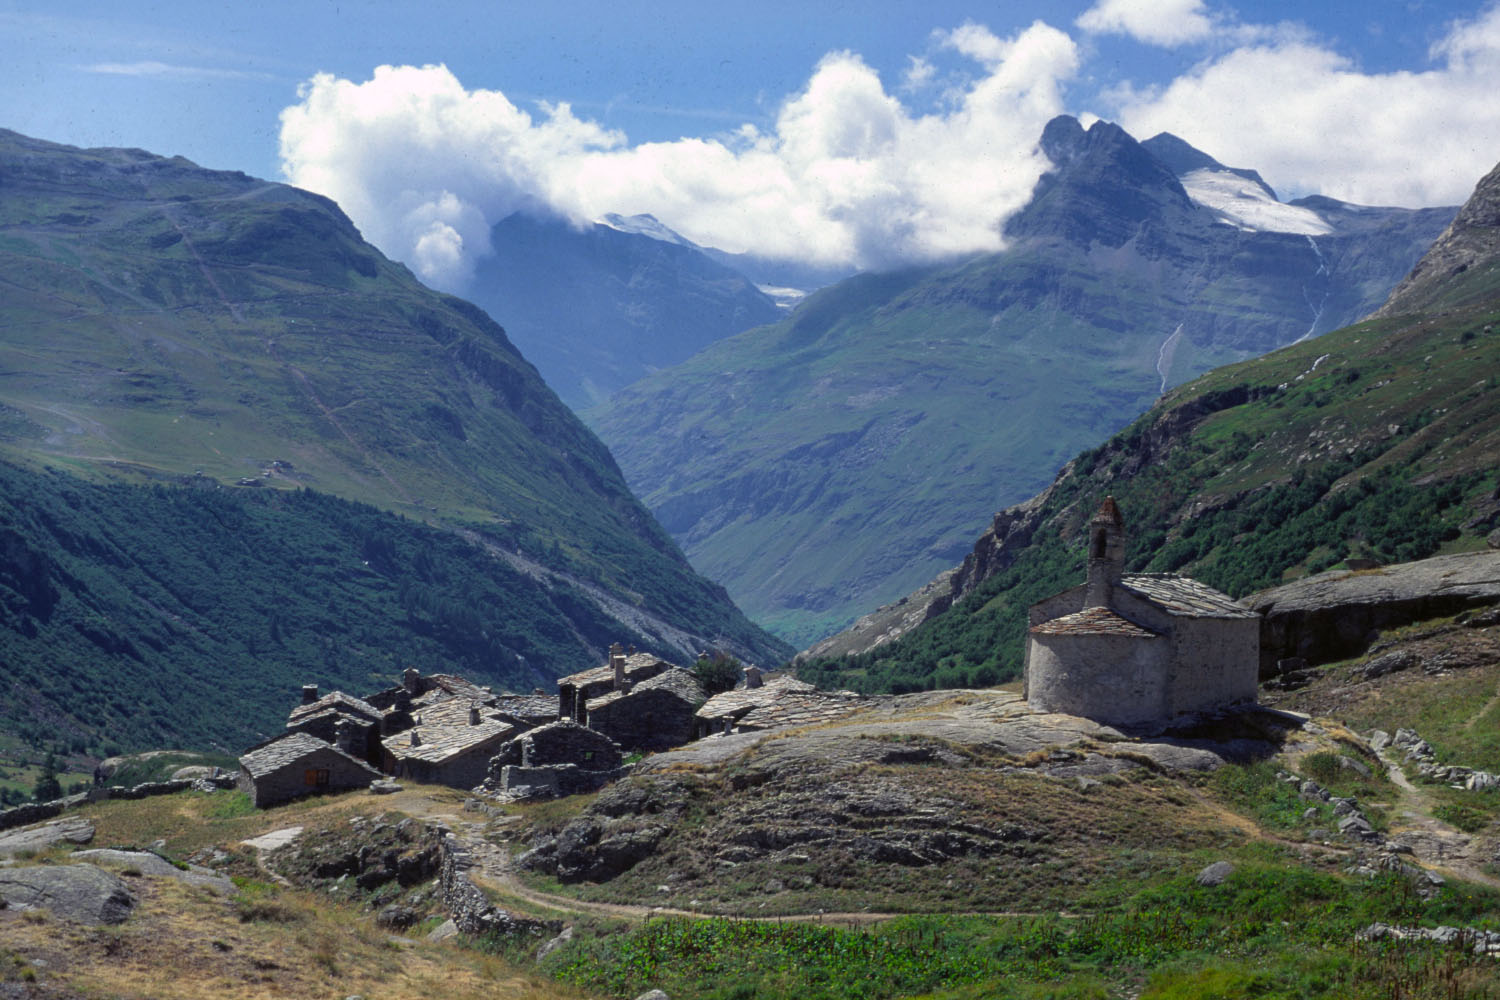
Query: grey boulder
pixel 80 892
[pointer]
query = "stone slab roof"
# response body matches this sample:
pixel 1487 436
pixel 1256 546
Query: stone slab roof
pixel 1181 595
pixel 528 706
pixel 337 701
pixel 1094 621
pixel 451 712
pixel 635 664
pixel 288 750
pixel 677 680
pixel 442 687
pixel 445 741
pixel 799 708
pixel 735 703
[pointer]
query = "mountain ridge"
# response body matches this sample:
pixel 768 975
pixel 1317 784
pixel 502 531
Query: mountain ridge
pixel 839 458
pixel 1372 441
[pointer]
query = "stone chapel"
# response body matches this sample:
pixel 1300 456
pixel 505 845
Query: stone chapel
pixel 1138 649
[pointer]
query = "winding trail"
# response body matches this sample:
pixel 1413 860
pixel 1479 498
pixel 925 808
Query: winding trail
pixel 1433 842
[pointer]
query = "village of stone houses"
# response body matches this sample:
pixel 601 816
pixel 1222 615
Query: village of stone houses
pixel 634 800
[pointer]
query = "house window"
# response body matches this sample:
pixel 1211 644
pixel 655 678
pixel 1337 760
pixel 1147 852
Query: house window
pixel 315 777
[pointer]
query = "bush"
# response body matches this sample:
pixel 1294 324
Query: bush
pixel 717 673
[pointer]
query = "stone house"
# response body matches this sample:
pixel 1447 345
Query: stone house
pixel 770 702
pixel 450 743
pixel 321 717
pixel 298 764
pixel 620 674
pixel 561 758
pixel 655 714
pixel 1138 649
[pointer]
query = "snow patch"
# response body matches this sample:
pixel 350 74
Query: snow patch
pixel 646 225
pixel 1246 205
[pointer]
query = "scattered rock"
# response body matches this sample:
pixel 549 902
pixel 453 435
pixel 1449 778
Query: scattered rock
pixel 1356 827
pixel 157 867
pixel 276 838
pixel 384 786
pixel 1311 791
pixel 652 995
pixel 1215 874
pixel 81 892
pixel 443 931
pixel 1390 663
pixel 1359 767
pixel 555 943
pixel 397 917
pixel 69 830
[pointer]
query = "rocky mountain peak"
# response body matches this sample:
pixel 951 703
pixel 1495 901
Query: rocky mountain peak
pixel 1183 158
pixel 1467 249
pixel 1105 187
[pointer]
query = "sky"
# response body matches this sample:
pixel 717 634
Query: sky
pixel 865 134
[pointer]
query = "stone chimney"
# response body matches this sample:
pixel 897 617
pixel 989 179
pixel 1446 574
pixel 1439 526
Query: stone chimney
pixel 403 700
pixel 416 737
pixel 411 679
pixel 309 693
pixel 346 737
pixel 1106 554
pixel 752 676
pixel 474 713
pixel 617 664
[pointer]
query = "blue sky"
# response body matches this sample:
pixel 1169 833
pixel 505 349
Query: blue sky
pixel 858 132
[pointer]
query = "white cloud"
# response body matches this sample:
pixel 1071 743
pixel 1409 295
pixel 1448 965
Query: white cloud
pixel 1310 121
pixel 847 175
pixel 151 67
pixel 919 73
pixel 1157 22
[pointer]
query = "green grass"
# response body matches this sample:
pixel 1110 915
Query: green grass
pixel 1268 931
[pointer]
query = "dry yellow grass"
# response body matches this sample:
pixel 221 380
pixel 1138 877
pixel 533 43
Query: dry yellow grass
pixel 184 942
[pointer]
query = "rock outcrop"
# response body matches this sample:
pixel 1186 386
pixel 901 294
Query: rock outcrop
pixel 1470 243
pixel 1334 615
pixel 71 830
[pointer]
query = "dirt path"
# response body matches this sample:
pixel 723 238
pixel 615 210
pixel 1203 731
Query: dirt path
pixel 1433 842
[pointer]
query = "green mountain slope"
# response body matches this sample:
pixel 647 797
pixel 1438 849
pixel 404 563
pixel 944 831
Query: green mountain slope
pixel 1375 441
pixel 162 321
pixel 837 459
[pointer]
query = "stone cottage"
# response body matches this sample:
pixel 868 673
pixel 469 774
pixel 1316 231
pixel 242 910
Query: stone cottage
pixel 1141 648
pixel 561 758
pixel 621 673
pixel 771 701
pixel 321 716
pixel 298 764
pixel 656 714
pixel 450 743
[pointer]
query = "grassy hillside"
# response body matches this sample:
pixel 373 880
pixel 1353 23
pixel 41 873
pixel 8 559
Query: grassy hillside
pixel 171 334
pixel 1376 441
